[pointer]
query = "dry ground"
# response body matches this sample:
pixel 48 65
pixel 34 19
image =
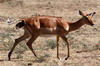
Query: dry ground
pixel 84 42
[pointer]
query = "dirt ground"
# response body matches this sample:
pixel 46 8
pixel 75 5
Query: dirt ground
pixel 84 42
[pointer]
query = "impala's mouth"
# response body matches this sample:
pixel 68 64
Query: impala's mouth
pixel 92 24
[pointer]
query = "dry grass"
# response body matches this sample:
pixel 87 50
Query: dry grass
pixel 84 42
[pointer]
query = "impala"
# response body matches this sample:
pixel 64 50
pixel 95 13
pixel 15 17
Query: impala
pixel 49 25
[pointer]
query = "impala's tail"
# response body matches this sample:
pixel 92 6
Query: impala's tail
pixel 20 24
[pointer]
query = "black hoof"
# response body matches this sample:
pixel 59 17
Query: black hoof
pixel 9 59
pixel 9 55
pixel 66 58
pixel 58 58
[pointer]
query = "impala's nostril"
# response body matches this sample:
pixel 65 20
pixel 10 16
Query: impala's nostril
pixel 94 12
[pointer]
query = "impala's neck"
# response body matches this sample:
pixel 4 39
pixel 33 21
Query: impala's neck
pixel 76 25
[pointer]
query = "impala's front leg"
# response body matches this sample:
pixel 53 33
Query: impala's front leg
pixel 68 50
pixel 65 39
pixel 58 47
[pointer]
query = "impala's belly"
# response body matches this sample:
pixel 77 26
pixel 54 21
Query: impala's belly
pixel 52 31
pixel 48 31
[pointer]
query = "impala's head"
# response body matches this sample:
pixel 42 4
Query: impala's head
pixel 87 18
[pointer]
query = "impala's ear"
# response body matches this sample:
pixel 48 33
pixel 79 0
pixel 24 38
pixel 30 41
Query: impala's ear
pixel 81 13
pixel 91 14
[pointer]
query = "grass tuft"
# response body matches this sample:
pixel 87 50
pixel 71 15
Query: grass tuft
pixel 51 43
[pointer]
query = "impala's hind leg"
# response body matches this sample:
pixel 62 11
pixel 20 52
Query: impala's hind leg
pixel 26 35
pixel 29 44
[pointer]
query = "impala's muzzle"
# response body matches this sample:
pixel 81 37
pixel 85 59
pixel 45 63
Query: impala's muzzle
pixel 92 24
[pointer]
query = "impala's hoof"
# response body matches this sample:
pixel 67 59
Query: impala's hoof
pixel 9 56
pixel 66 58
pixel 9 59
pixel 35 55
pixel 58 58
